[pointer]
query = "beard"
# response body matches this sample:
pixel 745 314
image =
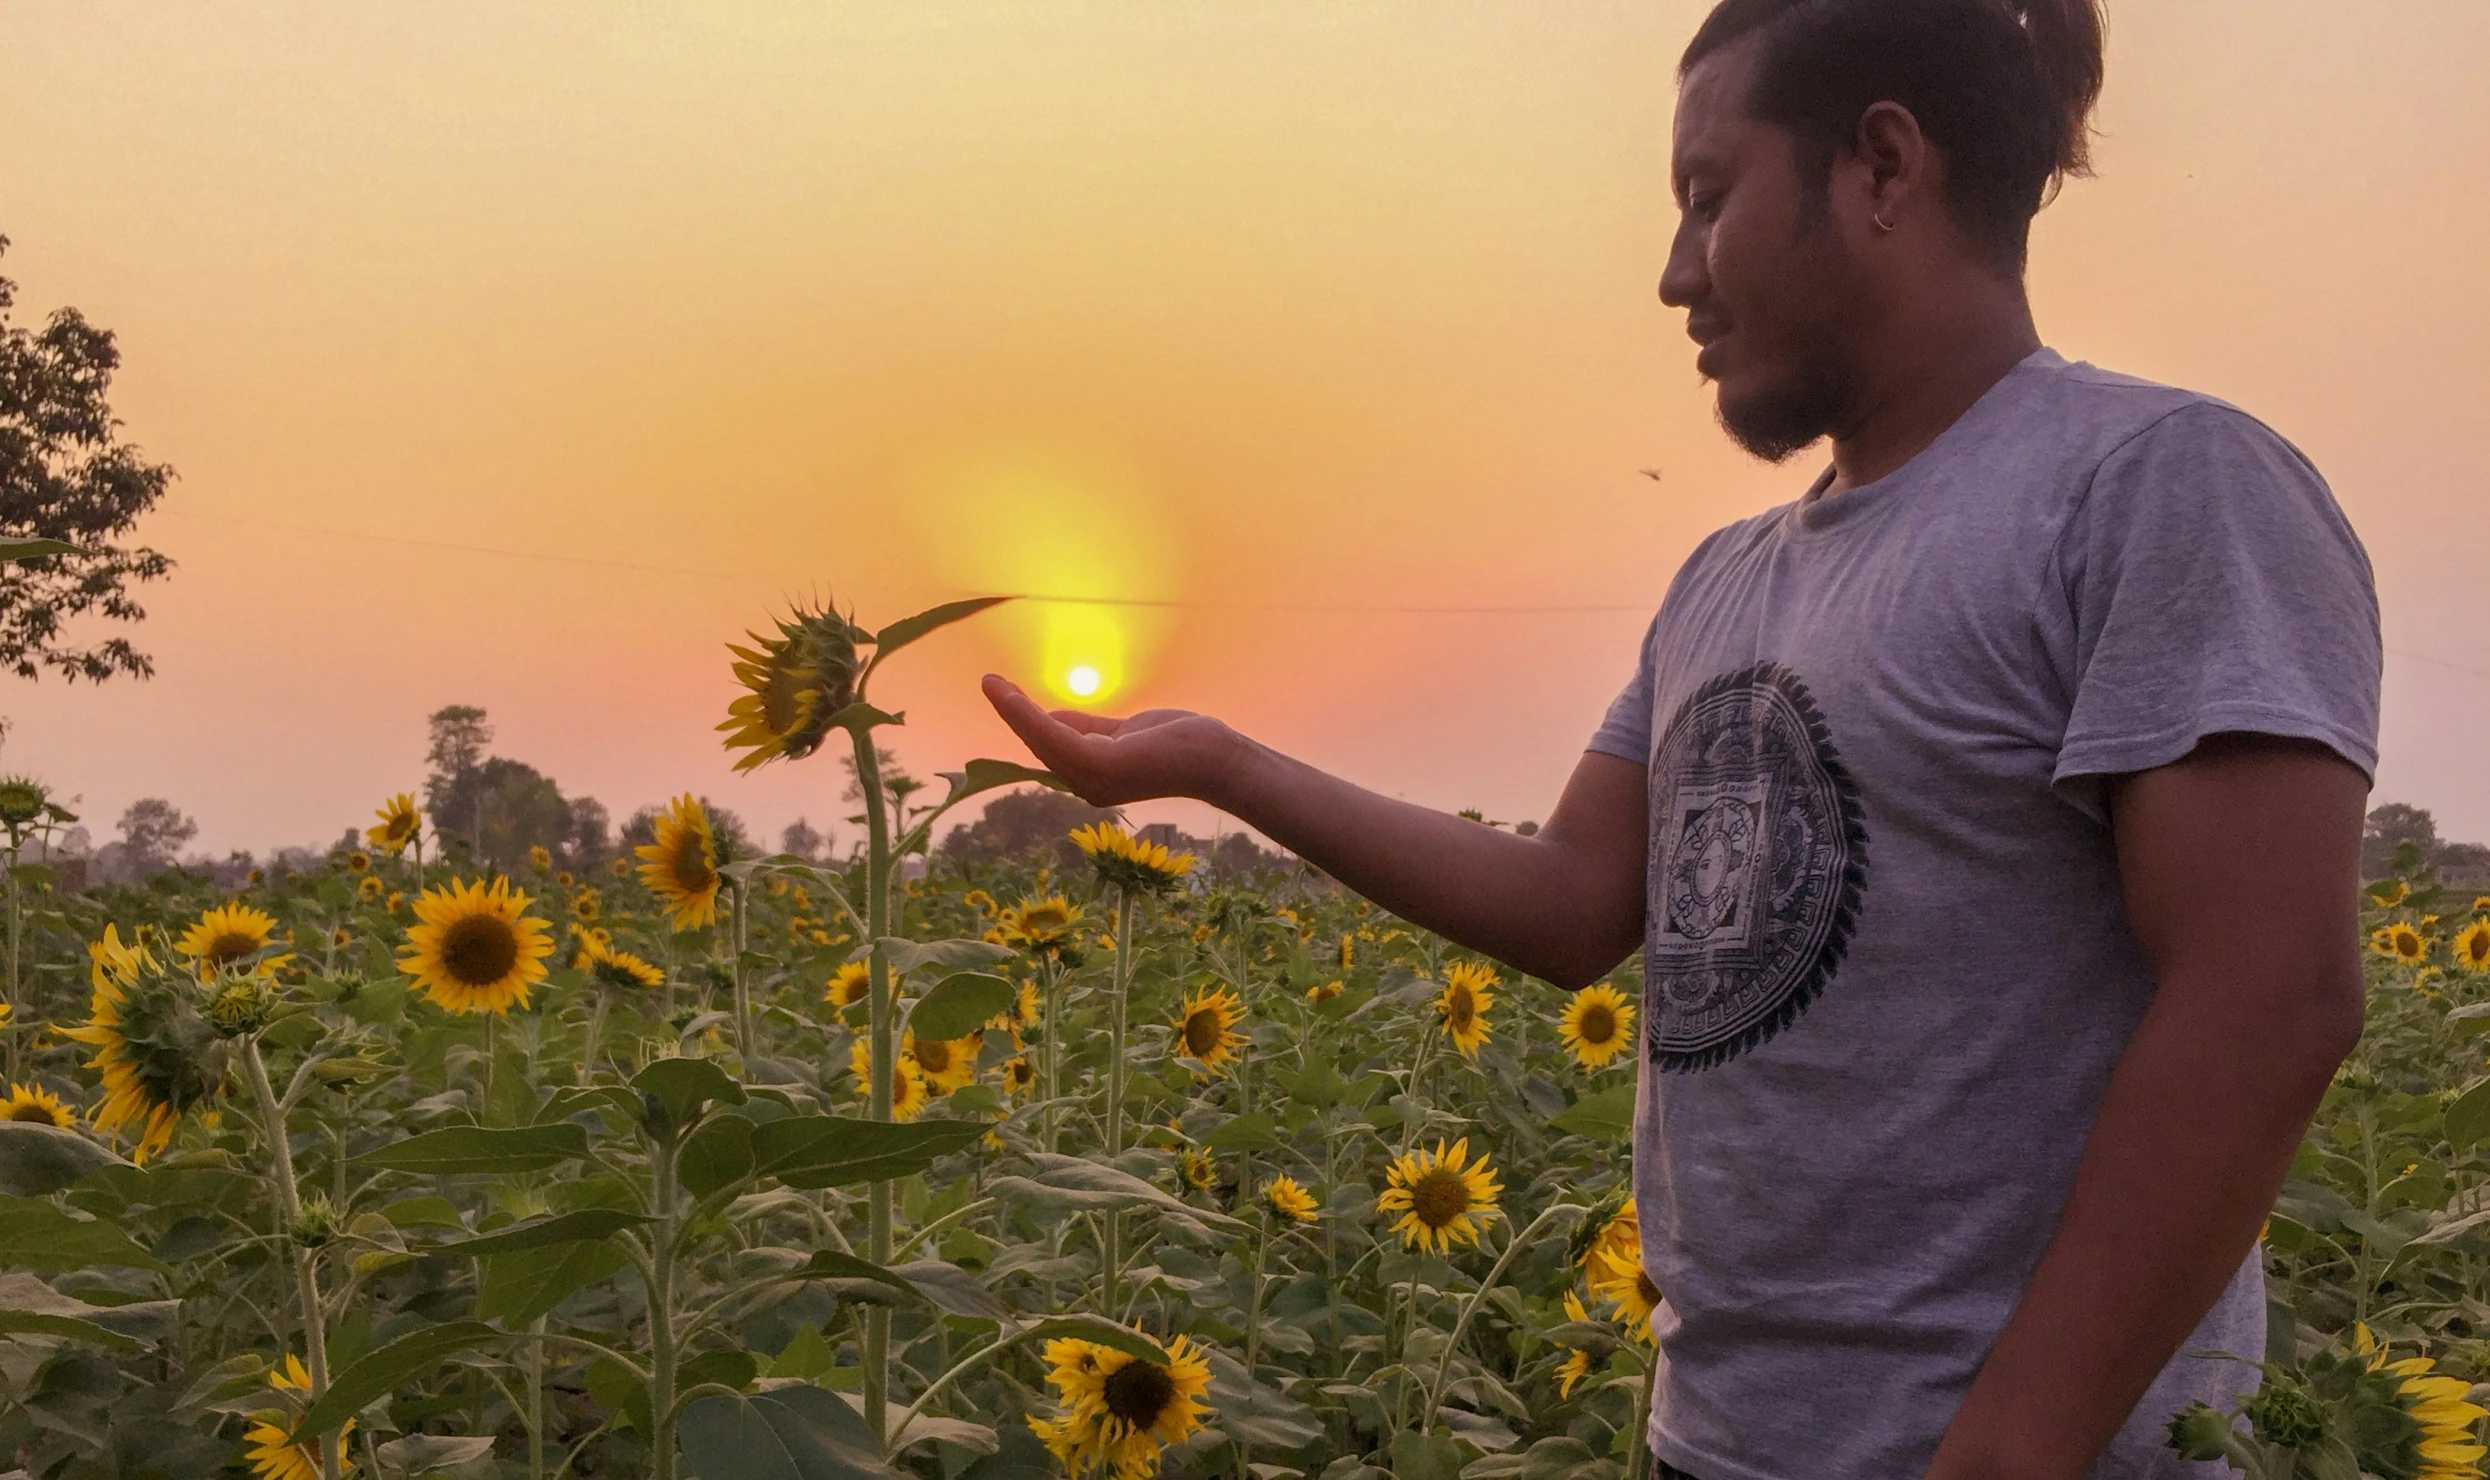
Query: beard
pixel 1781 421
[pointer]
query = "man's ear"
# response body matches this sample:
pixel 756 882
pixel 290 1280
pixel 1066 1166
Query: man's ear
pixel 1894 169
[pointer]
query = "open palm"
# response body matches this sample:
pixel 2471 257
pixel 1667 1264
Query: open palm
pixel 1108 762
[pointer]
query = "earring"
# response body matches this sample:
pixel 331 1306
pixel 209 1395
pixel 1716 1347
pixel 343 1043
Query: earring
pixel 1881 223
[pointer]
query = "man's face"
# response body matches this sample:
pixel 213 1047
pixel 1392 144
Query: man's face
pixel 1758 266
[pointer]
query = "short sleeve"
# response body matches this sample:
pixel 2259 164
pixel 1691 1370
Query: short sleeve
pixel 2212 585
pixel 1626 732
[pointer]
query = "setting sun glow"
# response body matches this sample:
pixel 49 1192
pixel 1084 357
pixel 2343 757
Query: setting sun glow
pixel 1082 681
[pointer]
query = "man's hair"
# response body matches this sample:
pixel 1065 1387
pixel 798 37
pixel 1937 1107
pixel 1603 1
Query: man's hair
pixel 2003 89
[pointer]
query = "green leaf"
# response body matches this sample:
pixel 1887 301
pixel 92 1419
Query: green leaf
pixel 830 1264
pixel 797 1432
pixel 520 1286
pixel 904 956
pixel 2468 1119
pixel 984 775
pixel 859 719
pixel 1251 1132
pixel 34 1323
pixel 716 1156
pixel 953 1290
pixel 422 1454
pixel 38 1159
pixel 1097 1330
pixel 816 1151
pixel 687 1086
pixel 908 629
pixel 960 1004
pixel 34 549
pixel 588 1225
pixel 1605 1116
pixel 470 1148
pixel 1251 1413
pixel 1074 1184
pixel 379 1373
pixel 36 1235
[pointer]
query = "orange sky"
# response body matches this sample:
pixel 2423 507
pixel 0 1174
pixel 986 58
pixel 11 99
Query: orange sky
pixel 1259 306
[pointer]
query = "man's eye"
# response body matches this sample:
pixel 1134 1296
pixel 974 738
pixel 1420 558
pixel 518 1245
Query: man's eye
pixel 1706 205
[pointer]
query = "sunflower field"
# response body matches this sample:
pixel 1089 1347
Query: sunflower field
pixel 1083 1164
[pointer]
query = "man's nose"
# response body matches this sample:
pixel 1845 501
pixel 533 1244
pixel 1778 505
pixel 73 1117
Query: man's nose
pixel 1683 281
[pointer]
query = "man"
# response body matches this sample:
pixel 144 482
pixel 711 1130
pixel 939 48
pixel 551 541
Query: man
pixel 1989 816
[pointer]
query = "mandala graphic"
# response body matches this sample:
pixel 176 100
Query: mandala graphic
pixel 1759 855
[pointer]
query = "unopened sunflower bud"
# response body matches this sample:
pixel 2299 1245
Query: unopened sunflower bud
pixel 318 1224
pixel 2283 1413
pixel 240 1004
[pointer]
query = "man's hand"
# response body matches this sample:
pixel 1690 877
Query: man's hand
pixel 1566 904
pixel 1108 762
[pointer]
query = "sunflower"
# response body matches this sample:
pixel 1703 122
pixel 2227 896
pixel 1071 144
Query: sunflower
pixel 1130 864
pixel 2390 893
pixel 849 985
pixel 158 1057
pixel 1597 1025
pixel 1317 996
pixel 2472 946
pixel 1199 1170
pixel 269 1445
pixel 370 888
pixel 909 1092
pixel 1040 925
pixel 35 1105
pixel 1289 1199
pixel 1205 1031
pixel 1617 1276
pixel 227 934
pixel 540 858
pixel 2444 1448
pixel 1444 1201
pixel 1464 1003
pixel 1577 1364
pixel 473 950
pixel 587 904
pixel 947 1063
pixel 358 862
pixel 681 867
pixel 616 971
pixel 1019 1075
pixel 1121 1410
pixel 979 900
pixel 620 868
pixel 399 825
pixel 795 683
pixel 2400 941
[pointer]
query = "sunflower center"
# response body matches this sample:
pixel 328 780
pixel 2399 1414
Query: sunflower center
pixel 33 1110
pixel 785 696
pixel 1203 1032
pixel 1598 1025
pixel 934 1058
pixel 1645 1288
pixel 1138 1392
pixel 1438 1197
pixel 232 945
pixel 479 950
pixel 693 873
pixel 1461 1009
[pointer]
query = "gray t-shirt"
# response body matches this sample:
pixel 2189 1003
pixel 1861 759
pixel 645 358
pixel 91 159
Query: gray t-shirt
pixel 1888 963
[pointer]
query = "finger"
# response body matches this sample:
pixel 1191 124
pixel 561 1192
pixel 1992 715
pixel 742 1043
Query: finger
pixel 1046 737
pixel 1087 724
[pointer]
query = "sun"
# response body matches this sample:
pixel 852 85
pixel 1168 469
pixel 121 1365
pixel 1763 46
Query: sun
pixel 1083 681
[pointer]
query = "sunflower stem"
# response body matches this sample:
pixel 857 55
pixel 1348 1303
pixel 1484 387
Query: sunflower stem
pixel 10 1008
pixel 1638 1454
pixel 884 1067
pixel 1116 1028
pixel 1469 1307
pixel 739 923
pixel 290 1209
pixel 661 1365
pixel 1052 1031
pixel 536 1400
pixel 1253 1311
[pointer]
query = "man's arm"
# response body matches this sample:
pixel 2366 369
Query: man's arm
pixel 1566 904
pixel 2241 872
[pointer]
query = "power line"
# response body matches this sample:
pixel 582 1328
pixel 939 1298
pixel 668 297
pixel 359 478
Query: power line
pixel 1046 598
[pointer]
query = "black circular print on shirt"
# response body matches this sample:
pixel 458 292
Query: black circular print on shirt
pixel 1758 855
